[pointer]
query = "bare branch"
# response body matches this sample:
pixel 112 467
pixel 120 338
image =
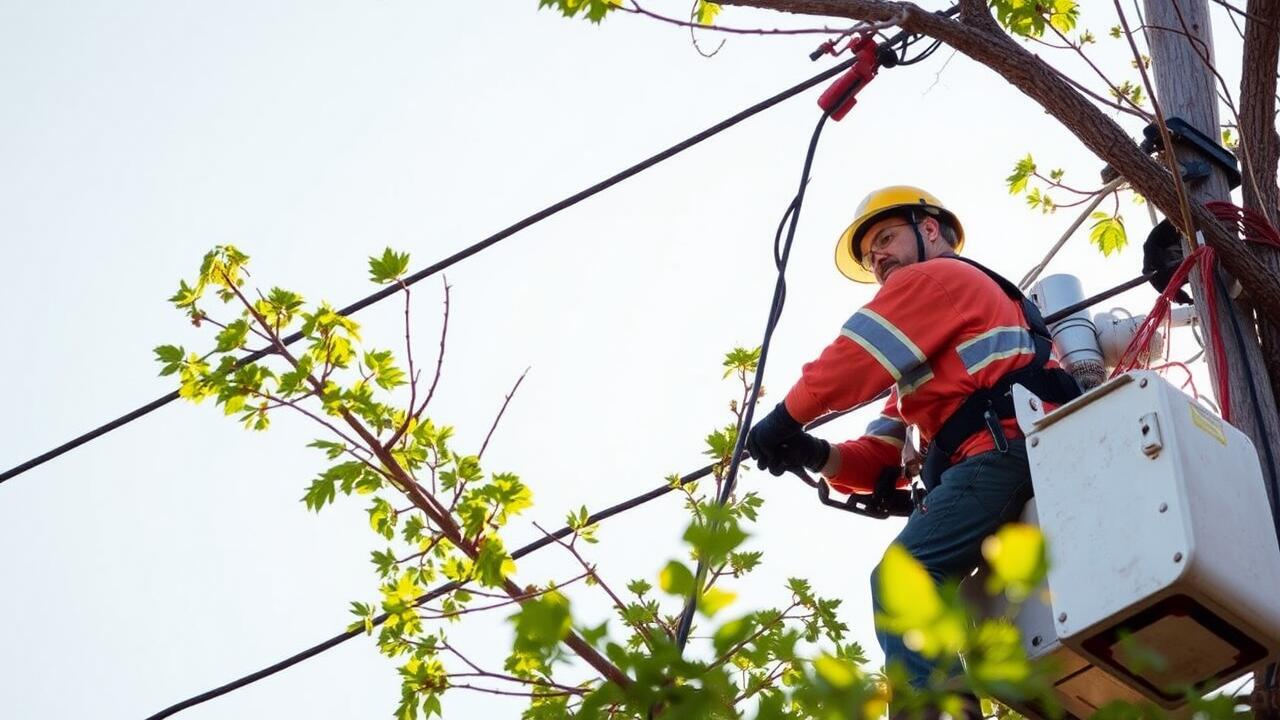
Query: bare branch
pixel 1098 71
pixel 1269 23
pixel 510 600
pixel 1099 133
pixel 444 334
pixel 495 691
pixel 637 9
pixel 565 689
pixel 1184 200
pixel 505 402
pixel 591 570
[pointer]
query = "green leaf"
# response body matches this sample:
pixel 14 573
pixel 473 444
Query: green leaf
pixel 385 561
pixel 320 493
pixel 639 587
pixel 704 12
pixel 171 356
pixel 223 267
pixel 331 449
pixel 542 623
pixel 233 336
pixel 1018 561
pixel 187 296
pixel 382 518
pixel 1022 172
pixel 838 672
pixel 493 564
pixel 712 544
pixel 714 600
pixel 732 633
pixel 1063 15
pixel 913 607
pixel 744 562
pixel 741 360
pixel 676 579
pixel 1030 18
pixel 720 443
pixel 382 365
pixel 389 267
pixel 594 10
pixel 279 308
pixel 1108 233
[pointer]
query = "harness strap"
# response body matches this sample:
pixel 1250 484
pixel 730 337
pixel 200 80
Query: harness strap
pixel 986 407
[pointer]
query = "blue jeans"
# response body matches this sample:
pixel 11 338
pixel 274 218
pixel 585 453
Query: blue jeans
pixel 976 496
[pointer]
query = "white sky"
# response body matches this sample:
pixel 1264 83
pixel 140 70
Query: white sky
pixel 173 555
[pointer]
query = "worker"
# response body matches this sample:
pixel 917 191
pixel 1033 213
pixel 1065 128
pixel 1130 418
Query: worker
pixel 948 338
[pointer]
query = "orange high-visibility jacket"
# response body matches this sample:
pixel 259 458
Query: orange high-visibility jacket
pixel 936 332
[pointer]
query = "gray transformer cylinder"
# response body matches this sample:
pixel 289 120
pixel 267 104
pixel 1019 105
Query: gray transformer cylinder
pixel 1075 340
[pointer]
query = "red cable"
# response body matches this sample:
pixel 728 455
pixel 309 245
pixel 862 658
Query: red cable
pixel 1253 227
pixel 1138 350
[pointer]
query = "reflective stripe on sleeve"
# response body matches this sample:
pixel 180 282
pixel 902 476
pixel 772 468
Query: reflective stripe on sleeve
pixel 886 343
pixel 994 344
pixel 912 381
pixel 890 430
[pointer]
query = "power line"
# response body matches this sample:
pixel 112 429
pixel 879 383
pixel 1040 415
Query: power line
pixel 781 252
pixel 454 585
pixel 457 257
pixel 557 535
pixel 425 598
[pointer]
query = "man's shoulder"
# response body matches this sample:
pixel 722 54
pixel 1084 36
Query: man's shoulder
pixel 946 271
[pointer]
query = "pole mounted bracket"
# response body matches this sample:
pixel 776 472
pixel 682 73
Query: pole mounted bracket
pixel 1182 132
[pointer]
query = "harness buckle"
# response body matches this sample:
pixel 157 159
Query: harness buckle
pixel 997 432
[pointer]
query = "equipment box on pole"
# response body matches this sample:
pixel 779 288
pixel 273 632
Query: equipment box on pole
pixel 1161 542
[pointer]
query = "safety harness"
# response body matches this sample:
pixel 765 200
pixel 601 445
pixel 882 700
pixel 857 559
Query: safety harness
pixel 985 408
pixel 988 406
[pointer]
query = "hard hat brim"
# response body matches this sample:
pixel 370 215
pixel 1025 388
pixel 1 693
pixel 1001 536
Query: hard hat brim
pixel 846 261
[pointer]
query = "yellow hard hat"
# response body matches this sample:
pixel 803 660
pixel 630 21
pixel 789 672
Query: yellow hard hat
pixel 874 207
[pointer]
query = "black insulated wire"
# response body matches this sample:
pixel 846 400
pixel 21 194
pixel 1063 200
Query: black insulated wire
pixel 449 587
pixel 924 54
pixel 456 257
pixel 775 312
pixel 477 247
pixel 565 531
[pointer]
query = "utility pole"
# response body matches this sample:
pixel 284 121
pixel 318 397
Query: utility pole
pixel 1178 33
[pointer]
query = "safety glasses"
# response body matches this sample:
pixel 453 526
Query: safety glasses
pixel 879 244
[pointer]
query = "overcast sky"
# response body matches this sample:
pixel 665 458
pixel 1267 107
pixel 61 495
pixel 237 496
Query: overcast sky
pixel 173 555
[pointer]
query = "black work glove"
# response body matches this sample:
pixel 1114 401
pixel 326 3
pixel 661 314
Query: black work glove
pixel 779 443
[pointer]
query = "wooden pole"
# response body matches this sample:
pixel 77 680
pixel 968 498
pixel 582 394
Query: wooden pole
pixel 1179 36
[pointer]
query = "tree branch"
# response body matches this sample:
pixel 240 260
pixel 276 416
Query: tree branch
pixel 591 570
pixel 502 410
pixel 1099 133
pixel 430 505
pixel 1261 143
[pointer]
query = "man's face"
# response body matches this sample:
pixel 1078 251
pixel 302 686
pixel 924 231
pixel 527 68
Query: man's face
pixel 890 244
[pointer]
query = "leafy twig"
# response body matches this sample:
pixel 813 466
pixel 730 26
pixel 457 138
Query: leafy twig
pixel 591 571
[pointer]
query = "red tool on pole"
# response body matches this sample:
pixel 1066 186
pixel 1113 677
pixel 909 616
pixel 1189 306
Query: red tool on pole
pixel 841 96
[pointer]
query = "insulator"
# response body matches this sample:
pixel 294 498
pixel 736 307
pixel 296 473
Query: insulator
pixel 1075 342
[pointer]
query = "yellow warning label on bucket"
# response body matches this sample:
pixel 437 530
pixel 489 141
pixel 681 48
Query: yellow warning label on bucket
pixel 1208 423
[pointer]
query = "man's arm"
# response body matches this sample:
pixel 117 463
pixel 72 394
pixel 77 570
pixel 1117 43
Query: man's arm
pixel 888 342
pixel 855 465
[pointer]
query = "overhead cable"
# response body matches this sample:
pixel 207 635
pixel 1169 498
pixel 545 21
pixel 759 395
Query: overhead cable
pixel 781 253
pixel 456 257
pixel 455 585
pixel 557 535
